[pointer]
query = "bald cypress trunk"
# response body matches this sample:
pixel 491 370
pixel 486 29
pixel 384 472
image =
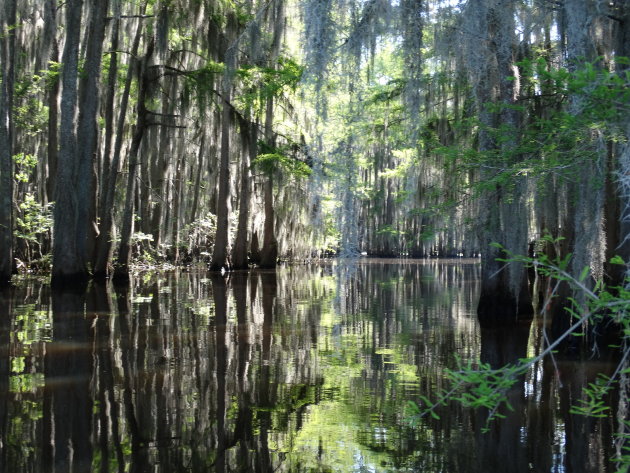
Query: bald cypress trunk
pixel 108 107
pixel 178 190
pixel 249 136
pixel 88 130
pixel 199 173
pixel 504 296
pixel 269 250
pixel 618 184
pixel 104 242
pixel 68 260
pixel 7 71
pixel 50 20
pixel 123 262
pixel 75 200
pixel 220 253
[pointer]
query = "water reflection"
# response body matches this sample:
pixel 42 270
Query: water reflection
pixel 306 369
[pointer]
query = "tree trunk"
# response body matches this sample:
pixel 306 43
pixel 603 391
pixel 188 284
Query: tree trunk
pixel 249 135
pixel 104 242
pixel 504 296
pixel 618 215
pixel 7 70
pixel 68 261
pixel 254 250
pixel 53 101
pixel 161 168
pixel 220 253
pixel 121 271
pixel 178 190
pixel 88 131
pixel 269 252
pixel 109 105
pixel 200 162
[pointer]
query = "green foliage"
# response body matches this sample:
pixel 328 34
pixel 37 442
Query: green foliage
pixel 29 112
pixel 554 137
pixel 205 76
pixel 52 75
pixel 595 403
pixel 387 230
pixel 24 164
pixel 392 90
pixel 263 83
pixel 33 219
pixel 276 159
pixel 272 161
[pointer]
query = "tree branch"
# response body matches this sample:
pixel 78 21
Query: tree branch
pixel 142 17
pixel 166 125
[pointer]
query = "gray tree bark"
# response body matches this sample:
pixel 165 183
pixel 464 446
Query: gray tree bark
pixel 7 70
pixel 68 260
pixel 504 296
pixel 220 252
pixel 618 185
pixel 104 242
pixel 199 173
pixel 50 22
pixel 249 135
pixel 123 262
pixel 88 131
pixel 269 250
pixel 108 107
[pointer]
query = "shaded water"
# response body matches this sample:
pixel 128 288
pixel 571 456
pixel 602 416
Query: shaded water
pixel 309 369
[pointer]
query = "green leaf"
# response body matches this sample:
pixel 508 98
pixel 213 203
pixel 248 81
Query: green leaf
pixel 617 260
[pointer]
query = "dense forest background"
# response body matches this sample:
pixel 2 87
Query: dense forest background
pixel 247 132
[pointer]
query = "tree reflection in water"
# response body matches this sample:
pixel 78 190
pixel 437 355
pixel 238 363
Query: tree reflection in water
pixel 68 368
pixel 264 371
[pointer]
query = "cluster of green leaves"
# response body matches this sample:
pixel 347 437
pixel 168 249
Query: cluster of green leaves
pixel 474 385
pixel 30 113
pixel 34 218
pixel 263 83
pixel 24 164
pixel 273 159
pixel 594 405
pixel 205 75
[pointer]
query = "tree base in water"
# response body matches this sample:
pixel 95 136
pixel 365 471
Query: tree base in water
pixel 70 282
pixel 500 308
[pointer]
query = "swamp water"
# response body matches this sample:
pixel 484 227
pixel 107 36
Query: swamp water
pixel 309 369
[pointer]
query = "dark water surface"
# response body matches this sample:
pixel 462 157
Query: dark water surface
pixel 309 369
